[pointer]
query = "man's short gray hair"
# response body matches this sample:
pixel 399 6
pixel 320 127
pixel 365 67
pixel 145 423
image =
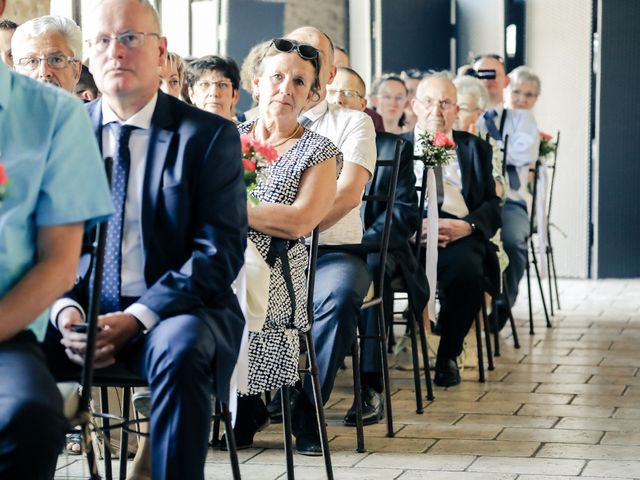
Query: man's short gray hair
pixel 467 85
pixel 523 74
pixel 443 75
pixel 48 24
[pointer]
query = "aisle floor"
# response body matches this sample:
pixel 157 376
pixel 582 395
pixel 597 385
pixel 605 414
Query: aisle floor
pixel 565 405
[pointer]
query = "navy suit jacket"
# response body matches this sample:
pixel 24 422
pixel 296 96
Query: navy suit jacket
pixel 479 192
pixel 194 223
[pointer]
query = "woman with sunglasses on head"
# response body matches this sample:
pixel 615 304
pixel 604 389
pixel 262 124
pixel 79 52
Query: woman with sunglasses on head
pixel 297 194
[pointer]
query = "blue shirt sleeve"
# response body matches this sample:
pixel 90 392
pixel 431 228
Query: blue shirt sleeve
pixel 74 186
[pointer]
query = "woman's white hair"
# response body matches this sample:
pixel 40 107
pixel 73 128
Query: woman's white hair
pixel 467 85
pixel 48 24
pixel 523 74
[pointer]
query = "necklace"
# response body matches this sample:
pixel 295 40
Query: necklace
pixel 281 142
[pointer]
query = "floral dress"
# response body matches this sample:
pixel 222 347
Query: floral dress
pixel 274 352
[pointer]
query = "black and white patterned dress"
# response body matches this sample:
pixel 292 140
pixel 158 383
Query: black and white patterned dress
pixel 274 352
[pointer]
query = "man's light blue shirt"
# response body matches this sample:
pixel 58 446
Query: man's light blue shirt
pixel 55 170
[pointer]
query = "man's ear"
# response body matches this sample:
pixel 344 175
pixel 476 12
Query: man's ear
pixel 162 46
pixel 2 5
pixel 363 104
pixel 332 74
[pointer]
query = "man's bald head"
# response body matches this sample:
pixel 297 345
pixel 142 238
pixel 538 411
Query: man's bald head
pixel 320 40
pixel 435 104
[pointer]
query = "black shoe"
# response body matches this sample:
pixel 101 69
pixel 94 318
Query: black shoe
pixel 447 373
pixel 305 425
pixel 252 417
pixel 372 408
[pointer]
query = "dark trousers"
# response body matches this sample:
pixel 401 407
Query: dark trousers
pixel 342 281
pixel 460 289
pixel 515 234
pixel 32 426
pixel 176 358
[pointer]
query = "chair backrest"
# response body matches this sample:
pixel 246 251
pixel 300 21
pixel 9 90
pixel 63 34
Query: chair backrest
pixel 388 198
pixel 422 195
pixel 311 272
pixel 553 174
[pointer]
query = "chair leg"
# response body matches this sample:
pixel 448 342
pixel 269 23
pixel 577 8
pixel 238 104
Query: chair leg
pixel 124 435
pixel 357 395
pixel 286 423
pixel 487 336
pixel 496 335
pixel 317 397
pixel 88 447
pixel 104 404
pixel 223 410
pixel 416 362
pixel 514 329
pixel 544 303
pixel 549 277
pixel 479 348
pixel 555 275
pixel 215 431
pixel 425 359
pixel 385 369
pixel 530 300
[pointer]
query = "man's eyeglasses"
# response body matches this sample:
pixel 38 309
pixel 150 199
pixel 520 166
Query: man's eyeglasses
pixel 391 98
pixel 54 61
pixel 344 93
pixel 307 52
pixel 205 85
pixel 129 40
pixel 444 105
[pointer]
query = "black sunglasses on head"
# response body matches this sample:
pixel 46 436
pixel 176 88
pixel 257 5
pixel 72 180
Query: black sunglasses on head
pixel 305 51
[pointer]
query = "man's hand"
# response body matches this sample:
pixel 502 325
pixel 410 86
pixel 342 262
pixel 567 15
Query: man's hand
pixel 114 330
pixel 450 230
pixel 425 231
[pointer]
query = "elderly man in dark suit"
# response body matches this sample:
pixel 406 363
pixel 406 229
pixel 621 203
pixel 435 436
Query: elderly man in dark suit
pixel 174 246
pixel 468 218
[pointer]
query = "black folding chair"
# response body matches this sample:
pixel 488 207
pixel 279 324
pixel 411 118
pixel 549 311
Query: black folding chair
pixel 533 258
pixel 551 262
pixel 388 198
pixel 115 376
pixel 398 286
pixel 310 369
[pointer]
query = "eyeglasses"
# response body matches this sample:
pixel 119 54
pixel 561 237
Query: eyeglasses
pixel 205 85
pixel 444 105
pixel 345 93
pixel 129 40
pixel 57 61
pixel 527 95
pixel 307 52
pixel 390 98
pixel 467 109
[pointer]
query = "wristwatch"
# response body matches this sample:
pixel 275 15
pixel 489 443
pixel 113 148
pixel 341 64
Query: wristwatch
pixel 473 227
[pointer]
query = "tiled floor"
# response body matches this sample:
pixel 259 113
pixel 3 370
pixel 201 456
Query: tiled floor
pixel 565 405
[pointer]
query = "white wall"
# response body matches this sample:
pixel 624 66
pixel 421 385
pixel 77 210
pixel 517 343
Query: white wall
pixel 558 48
pixel 480 28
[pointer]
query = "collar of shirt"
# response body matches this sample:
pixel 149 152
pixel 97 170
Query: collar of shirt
pixel 141 119
pixel 5 86
pixel 314 113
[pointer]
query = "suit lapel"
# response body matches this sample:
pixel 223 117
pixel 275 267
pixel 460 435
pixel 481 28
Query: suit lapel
pixel 95 113
pixel 159 141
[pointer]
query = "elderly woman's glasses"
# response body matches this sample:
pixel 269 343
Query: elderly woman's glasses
pixel 305 51
pixel 129 40
pixel 54 61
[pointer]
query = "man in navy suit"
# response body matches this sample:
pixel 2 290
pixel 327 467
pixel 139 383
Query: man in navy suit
pixel 468 218
pixel 174 246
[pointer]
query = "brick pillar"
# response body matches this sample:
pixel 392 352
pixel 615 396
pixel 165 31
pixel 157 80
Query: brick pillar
pixel 22 10
pixel 329 16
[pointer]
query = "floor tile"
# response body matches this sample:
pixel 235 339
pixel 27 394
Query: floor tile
pixel 547 435
pixel 566 411
pixel 543 466
pixel 580 388
pixel 483 447
pixel 471 432
pixel 431 475
pixel 621 438
pixel 607 468
pixel 319 473
pixel 511 421
pixel 417 462
pixel 543 398
pixel 383 444
pixel 590 452
pixel 605 424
